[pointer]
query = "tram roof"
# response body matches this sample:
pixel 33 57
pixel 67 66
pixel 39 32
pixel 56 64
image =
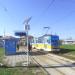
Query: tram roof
pixel 48 35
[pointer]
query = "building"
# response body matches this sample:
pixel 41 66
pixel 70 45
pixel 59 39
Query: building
pixel 68 41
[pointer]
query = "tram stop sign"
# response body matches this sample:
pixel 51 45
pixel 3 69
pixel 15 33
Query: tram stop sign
pixel 27 27
pixel 20 33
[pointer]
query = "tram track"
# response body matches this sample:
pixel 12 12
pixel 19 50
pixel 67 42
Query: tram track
pixel 45 59
pixel 66 66
pixel 64 62
pixel 47 67
pixel 38 65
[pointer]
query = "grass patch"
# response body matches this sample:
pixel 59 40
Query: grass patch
pixel 21 71
pixel 70 47
pixel 1 54
pixel 67 51
pixel 15 71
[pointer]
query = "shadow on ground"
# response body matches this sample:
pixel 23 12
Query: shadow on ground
pixel 32 53
pixel 38 53
pixel 64 51
pixel 17 53
pixel 44 66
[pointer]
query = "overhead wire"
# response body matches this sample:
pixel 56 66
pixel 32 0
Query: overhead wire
pixel 45 10
pixel 61 19
pixel 64 17
pixel 49 5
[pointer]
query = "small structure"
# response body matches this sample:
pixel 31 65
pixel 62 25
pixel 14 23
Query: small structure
pixel 10 46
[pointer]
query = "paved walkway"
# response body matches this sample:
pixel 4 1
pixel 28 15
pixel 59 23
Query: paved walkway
pixel 12 60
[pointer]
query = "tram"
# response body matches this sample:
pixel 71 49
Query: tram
pixel 46 43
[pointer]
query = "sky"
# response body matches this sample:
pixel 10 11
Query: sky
pixel 58 15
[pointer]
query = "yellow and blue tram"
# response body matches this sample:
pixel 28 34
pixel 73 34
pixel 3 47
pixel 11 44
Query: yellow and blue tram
pixel 46 43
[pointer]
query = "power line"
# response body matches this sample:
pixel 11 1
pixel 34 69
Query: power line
pixel 45 10
pixel 65 17
pixel 61 19
pixel 50 4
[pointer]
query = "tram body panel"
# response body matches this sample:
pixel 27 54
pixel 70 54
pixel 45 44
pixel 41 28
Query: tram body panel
pixel 47 43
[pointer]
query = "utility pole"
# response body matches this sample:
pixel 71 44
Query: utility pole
pixel 4 32
pixel 27 28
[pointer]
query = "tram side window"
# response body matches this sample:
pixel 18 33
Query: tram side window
pixel 36 41
pixel 55 42
pixel 48 41
pixel 40 41
pixel 32 41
